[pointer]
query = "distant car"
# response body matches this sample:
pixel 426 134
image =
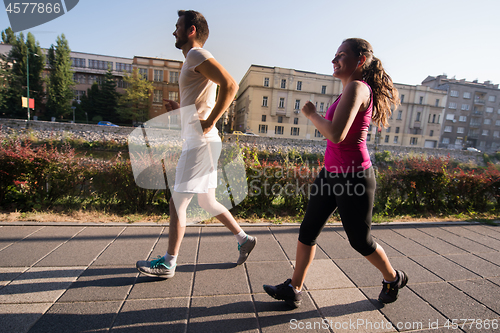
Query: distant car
pixel 251 134
pixel 107 123
pixel 238 133
pixel 473 149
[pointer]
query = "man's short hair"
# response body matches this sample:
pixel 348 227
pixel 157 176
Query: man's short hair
pixel 195 18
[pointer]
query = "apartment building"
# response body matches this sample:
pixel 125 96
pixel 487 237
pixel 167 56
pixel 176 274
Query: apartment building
pixel 270 99
pixel 416 122
pixel 164 74
pixel 472 113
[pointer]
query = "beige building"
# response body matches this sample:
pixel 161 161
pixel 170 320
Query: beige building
pixel 417 121
pixel 270 99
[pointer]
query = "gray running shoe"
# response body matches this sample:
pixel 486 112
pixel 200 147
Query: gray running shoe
pixel 156 268
pixel 284 292
pixel 389 291
pixel 245 249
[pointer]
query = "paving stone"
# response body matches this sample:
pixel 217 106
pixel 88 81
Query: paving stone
pixel 10 235
pixel 222 314
pixel 492 257
pixel 409 312
pixel 82 249
pixel 77 317
pixel 475 264
pixel 334 245
pixel 40 284
pixel 474 236
pixel 153 315
pixel 9 274
pixel 461 242
pixel 287 238
pixel 445 268
pixel 178 286
pixel 348 310
pixel 267 272
pixel 324 274
pixel 31 249
pixel 267 249
pixel 451 302
pixel 360 272
pixel 20 317
pixel 188 250
pixel 101 284
pixel 416 273
pixel 217 245
pixel 276 316
pixel 402 244
pixel 134 244
pixel 482 290
pixel 220 279
pixel 432 243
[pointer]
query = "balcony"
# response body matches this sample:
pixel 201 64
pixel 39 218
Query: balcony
pixel 415 131
pixel 479 101
pixel 473 124
pixel 281 112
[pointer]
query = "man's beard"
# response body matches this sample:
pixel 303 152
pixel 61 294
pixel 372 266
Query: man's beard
pixel 180 42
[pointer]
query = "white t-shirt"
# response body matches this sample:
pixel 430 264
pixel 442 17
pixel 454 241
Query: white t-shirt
pixel 196 89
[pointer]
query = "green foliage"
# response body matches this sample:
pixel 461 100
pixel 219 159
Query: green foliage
pixel 60 85
pixel 134 104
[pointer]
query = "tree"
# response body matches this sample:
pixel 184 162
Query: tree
pixel 134 104
pixel 89 102
pixel 15 83
pixel 108 98
pixel 8 36
pixel 60 85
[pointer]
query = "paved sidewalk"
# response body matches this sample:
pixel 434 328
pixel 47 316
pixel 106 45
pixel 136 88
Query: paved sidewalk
pixel 83 278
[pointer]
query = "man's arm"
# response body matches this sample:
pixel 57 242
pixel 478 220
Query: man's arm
pixel 228 88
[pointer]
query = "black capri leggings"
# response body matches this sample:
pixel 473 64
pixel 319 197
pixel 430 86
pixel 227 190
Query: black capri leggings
pixel 353 195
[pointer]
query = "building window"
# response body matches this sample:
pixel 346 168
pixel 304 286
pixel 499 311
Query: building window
pixel 491 98
pixel 421 100
pixel 437 102
pixel 460 130
pixel 431 133
pixel 497 123
pixel 446 141
pixel 264 101
pixel 458 141
pixel 402 99
pixel 294 131
pixel 487 121
pixel 280 119
pixel 321 107
pixel 465 107
pixel 143 72
pixel 400 114
pixel 489 109
pixel 486 132
pixel 158 75
pixel 418 116
pixel 448 129
pixel 299 85
pixel 388 130
pixel 121 67
pixel 462 119
pixel 279 130
pixel 413 141
pixel 454 93
pixel 397 130
pixel 466 94
pixel 396 139
pixel 368 137
pixel 157 96
pixel 264 117
pixel 452 105
pixel 386 139
pixel 174 77
pixel 283 84
pixel 317 134
pixel 78 62
pixel 100 64
pixel 295 121
pixel 496 134
pixel 173 96
pixel 282 103
pixel 297 104
pixel 266 82
pixel 78 95
pixel 323 90
pixel 263 129
pixel 450 116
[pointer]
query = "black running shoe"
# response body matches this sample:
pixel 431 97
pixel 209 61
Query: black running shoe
pixel 389 291
pixel 284 292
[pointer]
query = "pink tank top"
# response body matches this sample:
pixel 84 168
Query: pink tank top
pixel 350 155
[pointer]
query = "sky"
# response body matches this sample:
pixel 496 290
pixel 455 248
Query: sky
pixel 413 39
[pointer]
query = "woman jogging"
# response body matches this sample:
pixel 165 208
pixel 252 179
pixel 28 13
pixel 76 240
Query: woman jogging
pixel 367 95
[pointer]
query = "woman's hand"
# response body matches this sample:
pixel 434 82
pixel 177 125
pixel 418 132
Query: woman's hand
pixel 171 105
pixel 308 109
pixel 206 125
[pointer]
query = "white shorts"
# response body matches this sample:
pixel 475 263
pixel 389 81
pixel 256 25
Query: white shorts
pixel 196 171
